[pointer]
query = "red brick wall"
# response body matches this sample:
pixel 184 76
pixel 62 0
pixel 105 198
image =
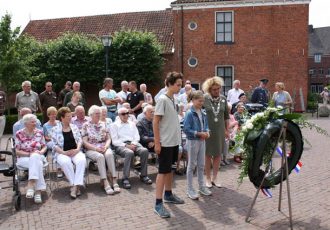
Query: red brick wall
pixel 318 78
pixel 269 41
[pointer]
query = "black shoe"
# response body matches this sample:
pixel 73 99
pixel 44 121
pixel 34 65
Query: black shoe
pixel 126 184
pixel 146 179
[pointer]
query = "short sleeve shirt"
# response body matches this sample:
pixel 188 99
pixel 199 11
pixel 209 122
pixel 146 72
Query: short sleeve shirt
pixel 30 101
pixel 2 102
pixel 97 133
pixel 134 99
pixel 169 126
pixel 30 143
pixel 111 94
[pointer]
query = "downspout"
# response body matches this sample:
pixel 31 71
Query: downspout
pixel 181 39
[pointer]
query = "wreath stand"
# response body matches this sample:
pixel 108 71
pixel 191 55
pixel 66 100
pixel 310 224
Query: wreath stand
pixel 284 169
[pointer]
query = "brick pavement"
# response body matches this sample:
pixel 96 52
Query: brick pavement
pixel 226 209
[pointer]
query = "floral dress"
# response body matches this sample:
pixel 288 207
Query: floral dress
pixel 30 143
pixel 97 133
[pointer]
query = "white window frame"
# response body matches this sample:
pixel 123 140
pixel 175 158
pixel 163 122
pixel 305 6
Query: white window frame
pixel 317 58
pixel 232 25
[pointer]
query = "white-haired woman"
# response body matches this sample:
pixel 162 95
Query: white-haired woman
pixel 217 117
pixel 96 138
pixel 67 145
pixel 30 149
pixel 104 117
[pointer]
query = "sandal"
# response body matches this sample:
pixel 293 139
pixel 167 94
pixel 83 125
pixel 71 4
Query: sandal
pixel 146 179
pixel 216 184
pixel 126 184
pixel 37 198
pixel 30 193
pixel 78 192
pixel 73 192
pixel 109 190
pixel 116 188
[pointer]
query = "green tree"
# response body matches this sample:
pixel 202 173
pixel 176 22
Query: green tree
pixel 9 57
pixel 72 57
pixel 17 56
pixel 136 56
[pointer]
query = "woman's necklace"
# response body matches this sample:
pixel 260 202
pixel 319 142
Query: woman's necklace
pixel 215 111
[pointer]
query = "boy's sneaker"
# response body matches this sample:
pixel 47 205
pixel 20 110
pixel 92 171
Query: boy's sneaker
pixel 161 211
pixel 173 199
pixel 192 194
pixel 205 191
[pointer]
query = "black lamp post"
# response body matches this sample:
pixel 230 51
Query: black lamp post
pixel 106 40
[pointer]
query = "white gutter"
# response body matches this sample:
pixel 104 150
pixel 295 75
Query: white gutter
pixel 231 4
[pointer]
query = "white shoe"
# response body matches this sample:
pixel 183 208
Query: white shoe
pixel 192 194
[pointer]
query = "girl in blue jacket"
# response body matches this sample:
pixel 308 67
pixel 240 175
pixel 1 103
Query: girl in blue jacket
pixel 196 129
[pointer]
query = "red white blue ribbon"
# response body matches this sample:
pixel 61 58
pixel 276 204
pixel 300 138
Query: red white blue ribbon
pixel 298 166
pixel 266 192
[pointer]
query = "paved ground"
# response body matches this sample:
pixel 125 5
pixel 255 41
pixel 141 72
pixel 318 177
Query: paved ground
pixel 226 209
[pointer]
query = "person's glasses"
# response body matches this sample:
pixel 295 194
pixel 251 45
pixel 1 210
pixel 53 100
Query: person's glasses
pixel 123 114
pixel 188 83
pixel 49 86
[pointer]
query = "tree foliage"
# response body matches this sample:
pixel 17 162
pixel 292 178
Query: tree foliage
pixel 73 57
pixel 136 56
pixel 76 57
pixel 10 65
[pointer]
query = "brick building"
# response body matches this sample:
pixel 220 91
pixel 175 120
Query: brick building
pixel 234 39
pixel 319 58
pixel 244 40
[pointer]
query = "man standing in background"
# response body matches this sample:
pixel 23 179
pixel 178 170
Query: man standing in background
pixel 27 99
pixel 47 99
pixel 2 116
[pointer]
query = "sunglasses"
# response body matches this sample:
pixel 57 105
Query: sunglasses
pixel 123 114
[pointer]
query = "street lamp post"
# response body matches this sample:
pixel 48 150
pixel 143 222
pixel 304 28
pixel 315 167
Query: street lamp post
pixel 106 40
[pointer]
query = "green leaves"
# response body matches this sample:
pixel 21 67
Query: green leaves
pixel 136 56
pixel 76 57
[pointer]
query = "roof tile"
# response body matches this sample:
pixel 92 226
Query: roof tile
pixel 158 22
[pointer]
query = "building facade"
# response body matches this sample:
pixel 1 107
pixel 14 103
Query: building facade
pixel 234 39
pixel 319 58
pixel 245 40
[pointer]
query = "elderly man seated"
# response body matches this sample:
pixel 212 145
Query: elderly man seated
pixel 20 124
pixel 125 138
pixel 145 128
pixel 79 119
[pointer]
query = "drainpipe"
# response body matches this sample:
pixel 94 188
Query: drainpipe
pixel 181 39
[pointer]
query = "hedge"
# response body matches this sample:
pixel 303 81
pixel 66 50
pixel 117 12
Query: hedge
pixel 11 120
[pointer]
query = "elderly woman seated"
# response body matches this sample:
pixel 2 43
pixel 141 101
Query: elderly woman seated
pixel 52 122
pixel 30 149
pixel 96 138
pixel 67 143
pixel 125 137
pixel 104 117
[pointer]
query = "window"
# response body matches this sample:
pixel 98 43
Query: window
pixel 317 58
pixel 192 25
pixel 224 27
pixel 316 88
pixel 311 72
pixel 321 71
pixel 192 62
pixel 226 72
